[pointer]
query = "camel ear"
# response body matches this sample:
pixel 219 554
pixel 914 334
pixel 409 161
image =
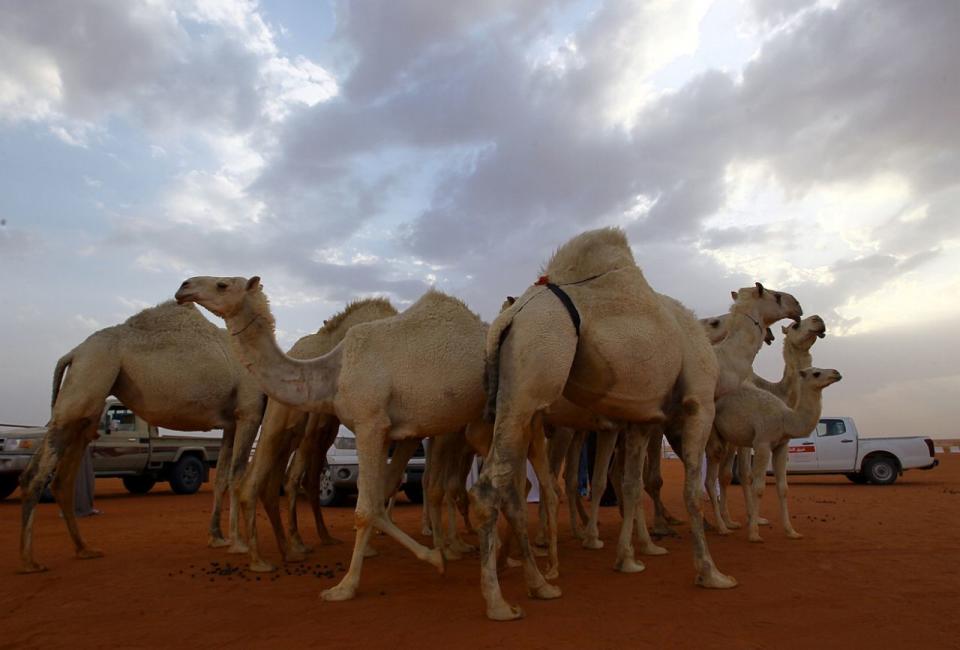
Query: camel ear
pixel 511 300
pixel 759 289
pixel 733 294
pixel 253 283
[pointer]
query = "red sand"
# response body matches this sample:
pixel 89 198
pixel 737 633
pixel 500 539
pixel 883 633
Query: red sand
pixel 878 566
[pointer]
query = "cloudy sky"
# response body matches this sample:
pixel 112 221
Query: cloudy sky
pixel 345 149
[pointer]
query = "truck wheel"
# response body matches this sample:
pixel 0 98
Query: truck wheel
pixel 414 491
pixel 187 475
pixel 857 477
pixel 8 483
pixel 139 484
pixel 880 471
pixel 329 496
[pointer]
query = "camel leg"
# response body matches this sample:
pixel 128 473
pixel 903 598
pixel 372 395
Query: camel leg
pixel 32 482
pixel 652 484
pixel 64 486
pixel 316 464
pixel 696 431
pixel 713 472
pixel 433 497
pixel 606 443
pixel 296 550
pixel 426 527
pixel 780 456
pixel 646 545
pixel 548 495
pixel 220 484
pixel 725 478
pixel 633 439
pixel 572 485
pixel 246 432
pixel 757 483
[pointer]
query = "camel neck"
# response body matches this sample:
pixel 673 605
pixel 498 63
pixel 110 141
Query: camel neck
pixel 795 359
pixel 302 384
pixel 804 417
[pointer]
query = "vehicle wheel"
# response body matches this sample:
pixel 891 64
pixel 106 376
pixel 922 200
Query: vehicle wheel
pixel 8 483
pixel 880 471
pixel 139 484
pixel 328 493
pixel 857 477
pixel 414 491
pixel 187 475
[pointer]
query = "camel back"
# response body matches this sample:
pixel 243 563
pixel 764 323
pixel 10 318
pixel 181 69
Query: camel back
pixel 589 254
pixel 336 327
pixel 170 317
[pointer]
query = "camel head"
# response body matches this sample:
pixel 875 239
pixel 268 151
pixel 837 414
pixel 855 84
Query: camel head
pixel 771 305
pixel 715 328
pixel 222 296
pixel 806 332
pixel 818 378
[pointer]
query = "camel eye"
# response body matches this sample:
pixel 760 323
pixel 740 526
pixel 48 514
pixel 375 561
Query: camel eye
pixel 222 286
pixel 779 298
pixel 714 323
pixel 816 374
pixel 796 326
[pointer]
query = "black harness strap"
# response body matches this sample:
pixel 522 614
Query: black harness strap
pixel 568 303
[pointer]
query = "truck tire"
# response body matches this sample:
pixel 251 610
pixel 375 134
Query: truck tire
pixel 414 491
pixel 857 477
pixel 186 477
pixel 329 496
pixel 139 484
pixel 880 470
pixel 8 483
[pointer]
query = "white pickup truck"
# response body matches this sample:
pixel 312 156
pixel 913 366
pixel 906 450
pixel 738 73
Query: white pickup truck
pixel 835 447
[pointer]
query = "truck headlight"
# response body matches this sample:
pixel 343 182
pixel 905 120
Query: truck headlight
pixel 343 442
pixel 13 444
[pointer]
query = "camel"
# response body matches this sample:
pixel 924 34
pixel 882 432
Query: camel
pixel 286 428
pixel 449 459
pixel 374 383
pixel 715 328
pixel 752 418
pixel 592 330
pixel 171 367
pixel 797 341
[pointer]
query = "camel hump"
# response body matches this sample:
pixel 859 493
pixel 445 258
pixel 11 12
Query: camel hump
pixel 169 316
pixel 589 254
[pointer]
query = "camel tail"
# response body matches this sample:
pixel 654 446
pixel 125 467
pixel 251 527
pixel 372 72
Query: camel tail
pixel 61 368
pixel 491 371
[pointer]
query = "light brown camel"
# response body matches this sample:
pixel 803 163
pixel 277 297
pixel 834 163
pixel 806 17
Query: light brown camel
pixel 620 355
pixel 715 328
pixel 373 381
pixel 797 341
pixel 286 428
pixel 752 418
pixel 171 367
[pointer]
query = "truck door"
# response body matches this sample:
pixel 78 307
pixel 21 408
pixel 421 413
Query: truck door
pixel 803 454
pixel 122 446
pixel 836 445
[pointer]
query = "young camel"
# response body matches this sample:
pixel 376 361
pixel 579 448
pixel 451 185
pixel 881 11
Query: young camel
pixel 373 382
pixel 171 367
pixel 752 418
pixel 286 428
pixel 620 353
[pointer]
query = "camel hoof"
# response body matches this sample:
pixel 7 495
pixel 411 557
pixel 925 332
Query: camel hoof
pixel 594 543
pixel 437 559
pixel 734 525
pixel 552 573
pixel 504 612
pixel 653 549
pixel 792 534
pixel 546 591
pixel 370 552
pixel 238 548
pixel 763 521
pixel 629 565
pixel 217 542
pixel 756 539
pixel 716 580
pixel 330 541
pixel 513 563
pixel 89 554
pixel 262 566
pixel 338 593
pixel 32 567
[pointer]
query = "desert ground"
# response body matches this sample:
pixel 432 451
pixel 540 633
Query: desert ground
pixel 877 566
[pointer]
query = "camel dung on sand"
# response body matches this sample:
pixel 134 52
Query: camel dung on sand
pixel 618 352
pixel 287 428
pixel 174 369
pixel 373 382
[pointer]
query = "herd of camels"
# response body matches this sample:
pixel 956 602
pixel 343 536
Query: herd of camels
pixel 589 347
